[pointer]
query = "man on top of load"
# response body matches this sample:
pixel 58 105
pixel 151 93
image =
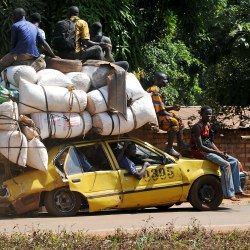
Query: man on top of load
pixel 96 35
pixel 24 39
pixel 72 40
pixel 168 120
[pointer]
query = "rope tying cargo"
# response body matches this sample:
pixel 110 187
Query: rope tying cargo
pixel 71 99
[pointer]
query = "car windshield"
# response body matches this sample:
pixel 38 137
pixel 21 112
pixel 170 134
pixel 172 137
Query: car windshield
pixel 142 154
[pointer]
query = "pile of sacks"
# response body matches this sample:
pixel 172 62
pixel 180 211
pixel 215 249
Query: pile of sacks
pixel 56 105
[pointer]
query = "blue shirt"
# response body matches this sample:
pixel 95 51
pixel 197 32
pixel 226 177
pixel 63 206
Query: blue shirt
pixel 127 164
pixel 24 38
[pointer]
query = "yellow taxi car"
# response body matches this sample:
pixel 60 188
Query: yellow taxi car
pixel 86 175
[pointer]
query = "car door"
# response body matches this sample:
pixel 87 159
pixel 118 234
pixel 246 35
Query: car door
pixel 161 184
pixel 90 172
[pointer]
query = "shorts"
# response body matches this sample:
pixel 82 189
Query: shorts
pixel 169 123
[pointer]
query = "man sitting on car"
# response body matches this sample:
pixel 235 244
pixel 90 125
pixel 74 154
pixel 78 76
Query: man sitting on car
pixel 128 151
pixel 204 148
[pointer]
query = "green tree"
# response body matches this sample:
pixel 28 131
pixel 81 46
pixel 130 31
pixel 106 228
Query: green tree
pixel 227 79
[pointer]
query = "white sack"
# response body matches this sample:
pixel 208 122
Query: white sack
pixel 37 156
pixel 15 73
pixel 114 125
pixel 62 125
pixel 97 75
pixel 97 99
pixel 53 77
pixel 142 109
pixel 134 89
pixel 13 146
pixel 8 112
pixel 80 80
pixel 32 99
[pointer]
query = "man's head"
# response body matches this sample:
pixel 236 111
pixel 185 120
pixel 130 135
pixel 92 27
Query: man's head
pixel 95 28
pixel 35 18
pixel 206 113
pixel 160 79
pixel 130 150
pixel 18 14
pixel 73 11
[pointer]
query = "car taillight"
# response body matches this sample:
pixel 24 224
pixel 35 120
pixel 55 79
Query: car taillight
pixel 4 192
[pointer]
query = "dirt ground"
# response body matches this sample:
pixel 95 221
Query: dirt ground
pixel 242 201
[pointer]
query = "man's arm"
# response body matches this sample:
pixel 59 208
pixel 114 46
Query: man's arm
pixel 121 153
pixel 197 136
pixel 140 174
pixel 133 171
pixel 44 44
pixel 46 47
pixel 165 112
pixel 89 43
pixel 176 107
pixel 108 50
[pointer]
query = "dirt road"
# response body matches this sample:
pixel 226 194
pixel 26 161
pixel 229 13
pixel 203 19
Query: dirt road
pixel 229 216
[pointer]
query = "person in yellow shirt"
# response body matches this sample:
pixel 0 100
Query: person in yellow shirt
pixel 83 48
pixel 168 120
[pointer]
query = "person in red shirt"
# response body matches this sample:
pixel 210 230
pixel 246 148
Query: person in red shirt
pixel 205 148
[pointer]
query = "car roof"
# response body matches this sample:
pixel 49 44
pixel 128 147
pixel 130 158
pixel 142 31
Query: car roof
pixel 50 143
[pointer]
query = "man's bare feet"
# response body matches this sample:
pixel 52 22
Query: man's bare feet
pixel 242 195
pixel 234 198
pixel 172 152
pixel 158 131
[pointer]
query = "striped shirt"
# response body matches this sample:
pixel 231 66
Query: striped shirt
pixel 156 98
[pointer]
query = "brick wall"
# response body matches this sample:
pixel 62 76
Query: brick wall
pixel 229 141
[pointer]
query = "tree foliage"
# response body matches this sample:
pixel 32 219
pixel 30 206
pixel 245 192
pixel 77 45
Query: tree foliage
pixel 226 80
pixel 202 45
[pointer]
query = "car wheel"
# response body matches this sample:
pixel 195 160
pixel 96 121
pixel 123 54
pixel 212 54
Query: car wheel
pixel 62 202
pixel 206 193
pixel 164 207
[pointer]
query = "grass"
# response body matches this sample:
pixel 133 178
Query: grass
pixel 194 237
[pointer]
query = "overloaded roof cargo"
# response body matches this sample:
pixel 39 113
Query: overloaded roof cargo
pixel 53 104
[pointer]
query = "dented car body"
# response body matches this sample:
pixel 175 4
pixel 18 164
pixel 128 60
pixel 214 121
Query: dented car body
pixel 86 175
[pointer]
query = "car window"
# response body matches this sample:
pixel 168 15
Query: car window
pixel 93 157
pixel 60 159
pixel 142 154
pixel 72 165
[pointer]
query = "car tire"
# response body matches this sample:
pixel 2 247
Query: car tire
pixel 206 193
pixel 62 202
pixel 164 207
